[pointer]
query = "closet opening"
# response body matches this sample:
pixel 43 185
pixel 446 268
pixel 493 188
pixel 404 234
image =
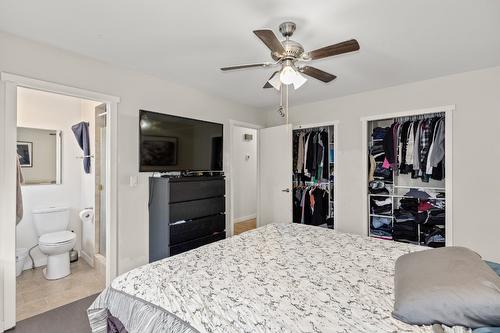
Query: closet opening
pixel 408 176
pixel 314 173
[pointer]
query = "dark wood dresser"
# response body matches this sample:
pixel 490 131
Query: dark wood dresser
pixel 185 213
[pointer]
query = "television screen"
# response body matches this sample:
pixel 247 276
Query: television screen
pixel 171 143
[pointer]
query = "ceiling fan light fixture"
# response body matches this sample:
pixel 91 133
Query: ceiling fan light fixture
pixel 299 81
pixel 288 75
pixel 275 81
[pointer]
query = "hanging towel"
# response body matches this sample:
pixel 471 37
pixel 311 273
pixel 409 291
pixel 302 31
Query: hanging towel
pixel 81 131
pixel 19 194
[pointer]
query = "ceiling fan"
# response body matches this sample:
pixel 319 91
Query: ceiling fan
pixel 290 55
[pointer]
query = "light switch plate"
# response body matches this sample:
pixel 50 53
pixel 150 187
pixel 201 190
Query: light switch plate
pixel 133 181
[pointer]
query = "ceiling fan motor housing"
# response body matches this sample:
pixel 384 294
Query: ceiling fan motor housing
pixel 293 50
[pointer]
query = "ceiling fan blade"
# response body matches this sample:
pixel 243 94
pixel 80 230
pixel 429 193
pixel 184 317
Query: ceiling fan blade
pixel 272 42
pixel 263 64
pixel 269 85
pixel 317 74
pixel 328 51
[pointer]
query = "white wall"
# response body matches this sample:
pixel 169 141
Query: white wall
pixel 136 91
pixel 244 174
pixel 476 157
pixel 50 111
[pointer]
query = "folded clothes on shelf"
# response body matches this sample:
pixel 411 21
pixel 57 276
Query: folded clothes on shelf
pixel 382 201
pixel 409 204
pixel 433 236
pixel 379 222
pixel 417 194
pixel 379 132
pixel 381 226
pixel 382 210
pixel 433 216
pixel 401 215
pixel 405 231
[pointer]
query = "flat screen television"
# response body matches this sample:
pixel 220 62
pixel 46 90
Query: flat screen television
pixel 171 143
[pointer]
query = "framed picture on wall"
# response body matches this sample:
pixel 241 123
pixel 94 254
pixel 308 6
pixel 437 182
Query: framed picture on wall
pixel 25 152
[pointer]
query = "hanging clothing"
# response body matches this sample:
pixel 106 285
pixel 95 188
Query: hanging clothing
pixel 81 131
pixel 311 155
pixel 325 163
pixel 300 154
pixel 388 144
pixel 436 153
pixel 19 193
pixel 310 205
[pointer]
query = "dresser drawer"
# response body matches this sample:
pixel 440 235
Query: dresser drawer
pixel 195 209
pixel 195 190
pixel 189 230
pixel 186 246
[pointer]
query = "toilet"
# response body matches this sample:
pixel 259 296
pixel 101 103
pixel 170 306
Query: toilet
pixel 54 240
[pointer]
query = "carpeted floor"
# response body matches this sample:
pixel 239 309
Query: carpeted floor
pixel 70 318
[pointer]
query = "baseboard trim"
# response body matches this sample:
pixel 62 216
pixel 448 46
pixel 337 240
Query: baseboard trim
pixel 244 218
pixel 88 259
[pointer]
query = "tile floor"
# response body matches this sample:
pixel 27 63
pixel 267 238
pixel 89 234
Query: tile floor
pixel 36 295
pixel 244 226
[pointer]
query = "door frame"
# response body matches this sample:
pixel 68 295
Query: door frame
pixel 448 113
pixel 232 125
pixel 335 124
pixel 8 91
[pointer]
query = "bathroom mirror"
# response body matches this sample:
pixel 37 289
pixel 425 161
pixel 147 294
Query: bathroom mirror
pixel 39 153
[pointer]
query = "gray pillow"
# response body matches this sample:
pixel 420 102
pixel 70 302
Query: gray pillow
pixel 450 286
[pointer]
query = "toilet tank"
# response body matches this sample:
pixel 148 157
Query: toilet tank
pixel 50 219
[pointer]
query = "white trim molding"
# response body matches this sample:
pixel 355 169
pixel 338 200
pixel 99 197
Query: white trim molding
pixel 448 111
pixel 8 120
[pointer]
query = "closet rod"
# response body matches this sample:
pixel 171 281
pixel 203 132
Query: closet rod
pixel 421 116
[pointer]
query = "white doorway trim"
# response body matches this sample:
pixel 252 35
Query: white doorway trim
pixel 448 111
pixel 335 124
pixel 232 125
pixel 9 84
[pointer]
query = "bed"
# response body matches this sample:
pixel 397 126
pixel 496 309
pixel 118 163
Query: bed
pixel 277 278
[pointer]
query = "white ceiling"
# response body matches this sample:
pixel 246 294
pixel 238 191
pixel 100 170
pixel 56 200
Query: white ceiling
pixel 187 41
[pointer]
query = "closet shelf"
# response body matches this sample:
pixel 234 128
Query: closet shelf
pixel 379 215
pixel 381 237
pixel 402 196
pixel 421 187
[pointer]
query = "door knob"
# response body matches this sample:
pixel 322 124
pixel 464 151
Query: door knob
pixel 287 190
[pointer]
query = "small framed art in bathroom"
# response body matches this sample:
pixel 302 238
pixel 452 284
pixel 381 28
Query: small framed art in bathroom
pixel 25 152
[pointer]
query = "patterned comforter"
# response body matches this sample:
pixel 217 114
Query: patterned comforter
pixel 278 278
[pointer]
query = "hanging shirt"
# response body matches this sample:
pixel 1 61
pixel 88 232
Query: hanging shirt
pixel 409 145
pixel 300 154
pixel 436 151
pixel 306 148
pixel 416 146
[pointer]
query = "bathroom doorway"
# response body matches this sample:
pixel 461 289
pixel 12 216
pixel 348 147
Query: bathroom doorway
pixel 61 149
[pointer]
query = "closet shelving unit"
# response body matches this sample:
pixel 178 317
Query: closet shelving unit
pixel 327 184
pixel 403 183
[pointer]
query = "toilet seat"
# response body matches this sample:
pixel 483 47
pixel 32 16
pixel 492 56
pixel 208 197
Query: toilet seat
pixel 57 238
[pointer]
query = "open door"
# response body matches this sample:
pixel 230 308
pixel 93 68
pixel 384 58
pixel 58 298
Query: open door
pixel 275 175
